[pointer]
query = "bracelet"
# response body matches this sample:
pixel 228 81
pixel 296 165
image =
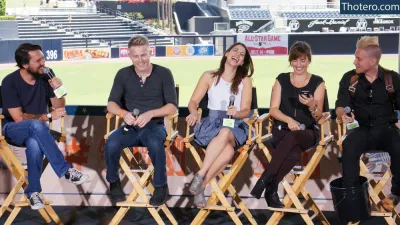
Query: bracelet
pixel 312 110
pixel 121 113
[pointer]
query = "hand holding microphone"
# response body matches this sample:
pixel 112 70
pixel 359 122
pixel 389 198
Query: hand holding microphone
pixel 231 108
pixel 59 90
pixel 129 119
pixel 143 119
pixel 294 125
pixel 348 117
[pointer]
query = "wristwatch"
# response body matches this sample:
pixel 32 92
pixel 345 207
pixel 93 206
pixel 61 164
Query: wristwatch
pixel 49 116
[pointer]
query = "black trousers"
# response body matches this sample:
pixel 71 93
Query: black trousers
pixel 363 139
pixel 289 147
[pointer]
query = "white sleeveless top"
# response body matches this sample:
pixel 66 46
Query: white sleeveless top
pixel 218 95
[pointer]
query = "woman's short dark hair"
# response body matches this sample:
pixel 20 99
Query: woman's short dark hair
pixel 22 56
pixel 299 49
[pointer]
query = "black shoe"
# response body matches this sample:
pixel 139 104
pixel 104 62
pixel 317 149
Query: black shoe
pixel 160 195
pixel 272 199
pixel 262 184
pixel 116 192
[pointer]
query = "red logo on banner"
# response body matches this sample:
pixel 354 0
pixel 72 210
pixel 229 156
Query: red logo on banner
pixel 124 52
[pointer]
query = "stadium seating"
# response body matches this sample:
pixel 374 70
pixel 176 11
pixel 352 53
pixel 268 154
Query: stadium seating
pixel 110 30
pixel 239 12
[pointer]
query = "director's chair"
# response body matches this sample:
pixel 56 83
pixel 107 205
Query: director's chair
pixel 232 170
pixel 378 177
pixel 18 171
pixel 128 162
pixel 300 174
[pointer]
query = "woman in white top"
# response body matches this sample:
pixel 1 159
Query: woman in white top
pixel 232 78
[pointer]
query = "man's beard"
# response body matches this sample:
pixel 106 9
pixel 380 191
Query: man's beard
pixel 35 75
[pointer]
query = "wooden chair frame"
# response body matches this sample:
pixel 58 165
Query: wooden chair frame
pixel 299 178
pixel 16 168
pixel 375 184
pixel 225 183
pixel 127 159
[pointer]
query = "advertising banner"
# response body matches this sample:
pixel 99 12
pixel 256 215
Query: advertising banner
pixel 265 43
pixel 52 49
pixel 361 24
pixel 190 50
pixel 123 51
pixel 87 53
pixel 249 26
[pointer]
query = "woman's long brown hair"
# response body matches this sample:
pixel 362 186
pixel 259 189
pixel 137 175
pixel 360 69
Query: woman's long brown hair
pixel 245 70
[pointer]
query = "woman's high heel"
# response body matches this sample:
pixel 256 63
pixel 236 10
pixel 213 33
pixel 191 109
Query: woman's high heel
pixel 262 184
pixel 272 199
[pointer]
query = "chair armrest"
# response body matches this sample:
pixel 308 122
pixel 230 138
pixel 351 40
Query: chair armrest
pixel 325 118
pixel 108 129
pixel 109 115
pixel 341 129
pixel 260 121
pixel 250 121
pixel 63 137
pixel 172 116
pixel 172 120
pixel 190 136
pixel 263 117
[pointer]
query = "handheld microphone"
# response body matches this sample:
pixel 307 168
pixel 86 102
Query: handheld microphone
pixel 48 72
pixel 301 126
pixel 231 103
pixel 59 91
pixel 135 113
pixel 352 125
pixel 347 110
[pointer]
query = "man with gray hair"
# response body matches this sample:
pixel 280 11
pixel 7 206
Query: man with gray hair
pixel 149 89
pixel 373 94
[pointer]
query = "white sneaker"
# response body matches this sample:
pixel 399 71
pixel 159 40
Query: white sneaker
pixel 36 201
pixel 75 176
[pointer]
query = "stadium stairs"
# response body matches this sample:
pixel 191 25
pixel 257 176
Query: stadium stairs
pixel 102 29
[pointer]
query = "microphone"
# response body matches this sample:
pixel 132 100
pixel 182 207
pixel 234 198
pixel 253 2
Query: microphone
pixel 231 103
pixel 347 110
pixel 135 113
pixel 48 72
pixel 59 91
pixel 301 126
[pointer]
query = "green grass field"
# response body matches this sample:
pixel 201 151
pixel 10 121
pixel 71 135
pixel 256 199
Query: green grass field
pixel 89 83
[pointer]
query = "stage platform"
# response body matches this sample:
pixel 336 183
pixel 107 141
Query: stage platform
pixel 102 215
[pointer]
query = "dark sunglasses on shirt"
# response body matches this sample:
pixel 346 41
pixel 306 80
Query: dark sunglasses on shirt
pixel 369 90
